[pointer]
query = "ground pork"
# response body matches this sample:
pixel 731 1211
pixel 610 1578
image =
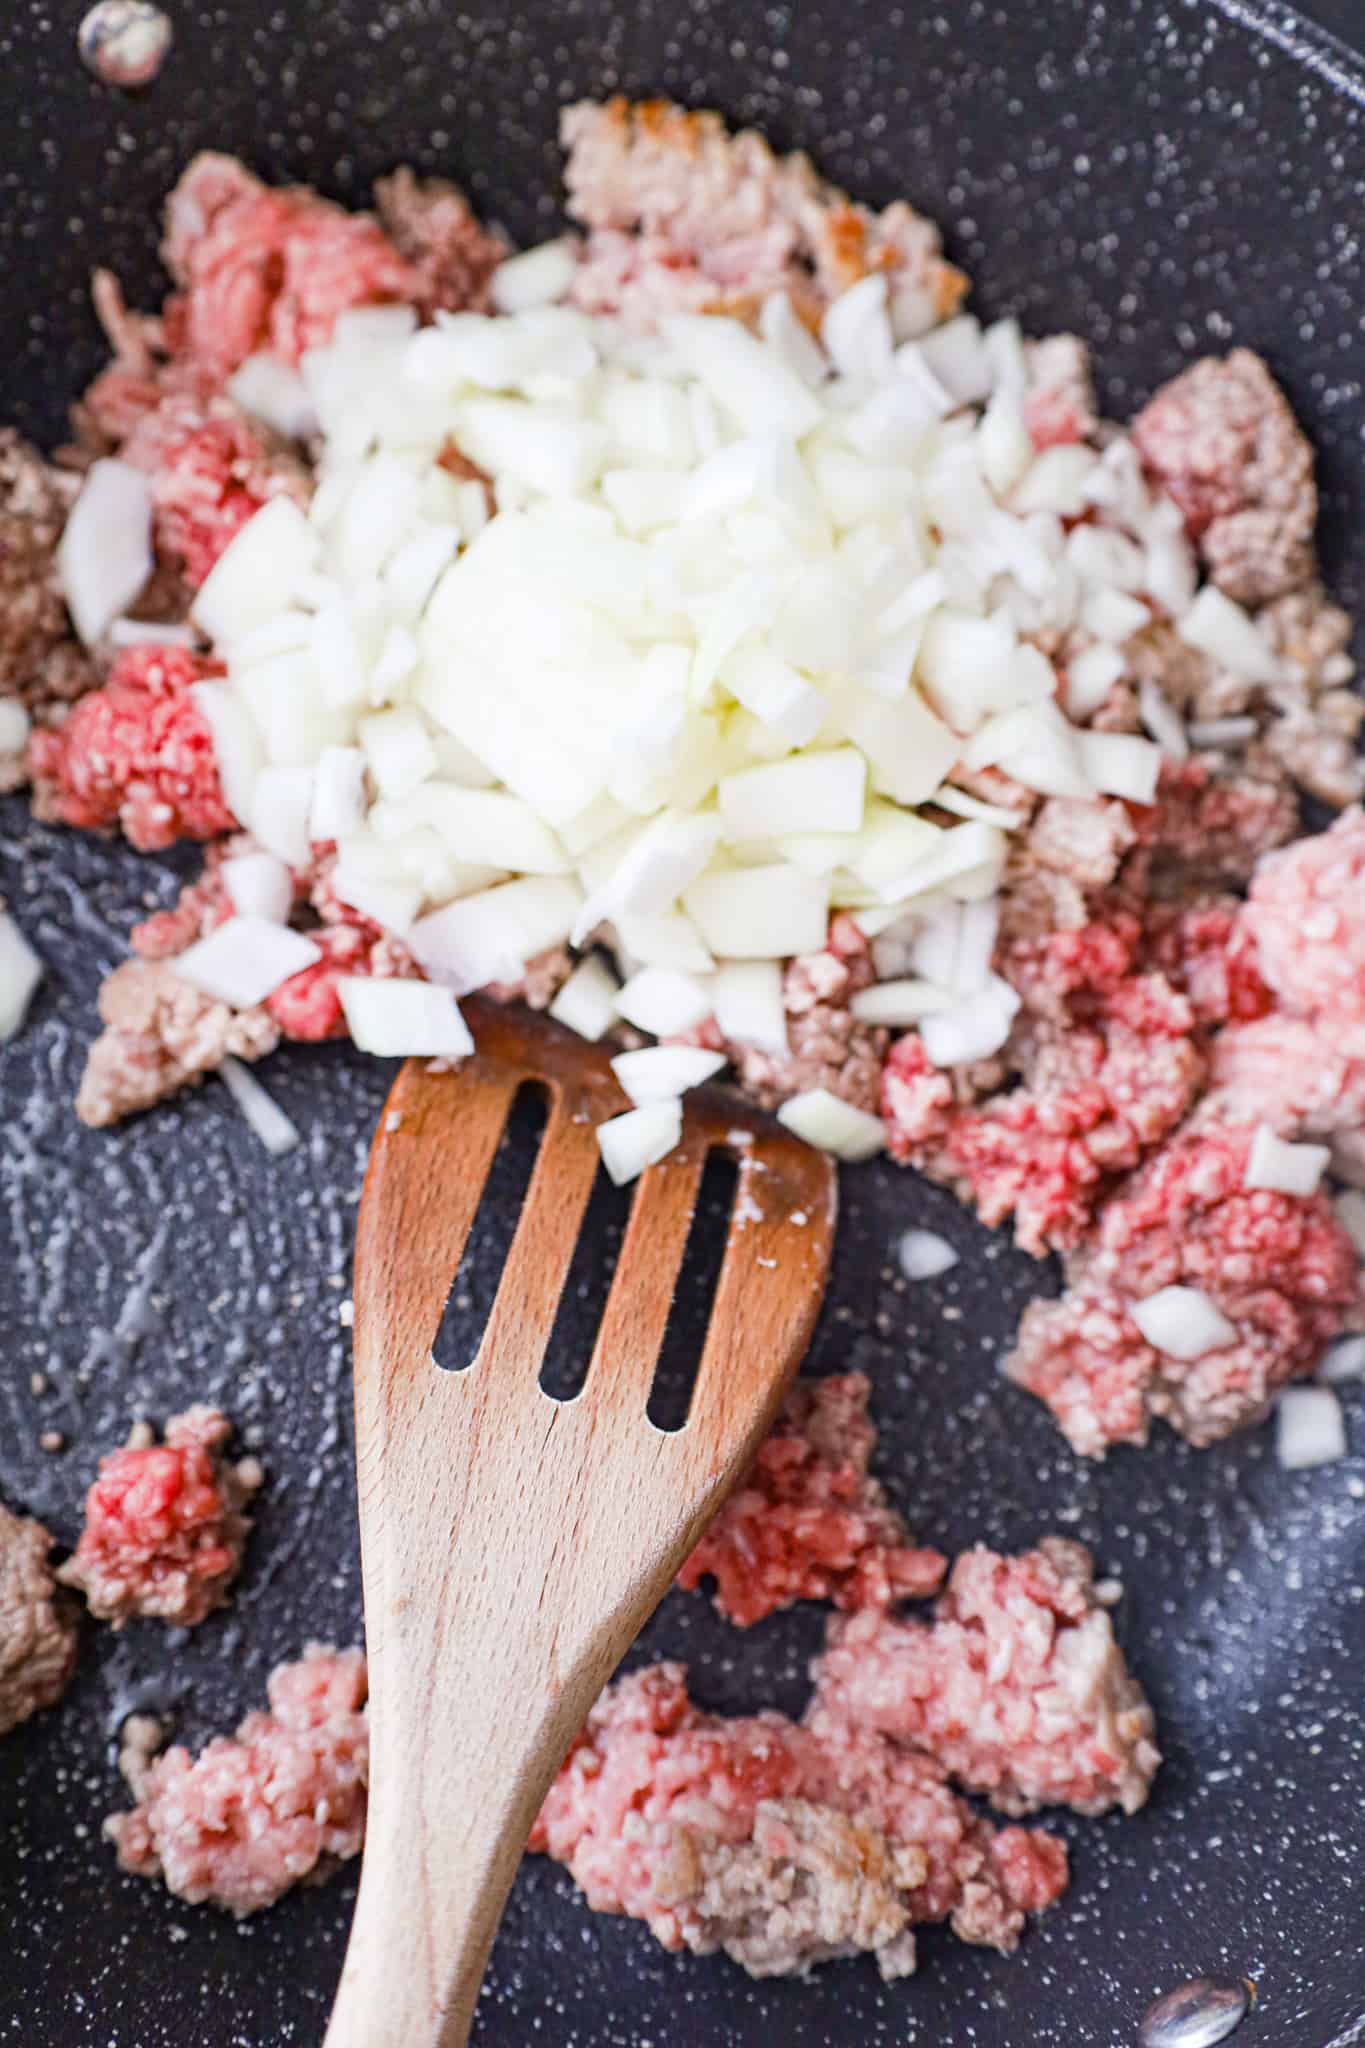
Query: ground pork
pixel 655 1792
pixel 41 664
pixel 1207 830
pixel 828 1047
pixel 1279 1070
pixel 37 1623
pixel 1315 733
pixel 809 1522
pixel 136 753
pixel 1223 442
pixel 1304 917
pixel 1080 839
pixel 684 217
pixel 161 1035
pixel 165 1524
pixel 432 226
pixel 280 1803
pixel 1017 1686
pixel 1280 1268
pixel 211 470
pixel 1059 403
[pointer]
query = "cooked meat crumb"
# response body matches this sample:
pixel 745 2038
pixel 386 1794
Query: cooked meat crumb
pixel 161 1035
pixel 37 1624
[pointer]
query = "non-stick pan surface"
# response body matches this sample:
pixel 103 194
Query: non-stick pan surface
pixel 1164 178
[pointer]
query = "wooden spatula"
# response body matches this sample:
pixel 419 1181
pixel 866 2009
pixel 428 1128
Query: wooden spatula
pixel 514 1545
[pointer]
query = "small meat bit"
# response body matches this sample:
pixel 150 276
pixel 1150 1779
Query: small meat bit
pixel 280 1803
pixel 828 1047
pixel 41 664
pixel 1017 1686
pixel 1059 403
pixel 434 229
pixel 37 1623
pixel 165 1524
pixel 685 217
pixel 161 1035
pixel 211 470
pixel 656 1813
pixel 1222 440
pixel 809 1522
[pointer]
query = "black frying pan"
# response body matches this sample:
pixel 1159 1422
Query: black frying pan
pixel 1162 177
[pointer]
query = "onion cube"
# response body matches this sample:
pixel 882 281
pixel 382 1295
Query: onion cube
pixel 746 379
pixel 258 573
pixel 403 1019
pixel 823 792
pixel 760 913
pixel 490 935
pixel 909 750
pixel 832 1125
pixel 275 393
pixel 1183 1322
pixel 659 1073
pixel 338 802
pixel 105 555
pixel 1289 1169
pixel 1309 1428
pixel 281 804
pixel 587 1001
pixel 20 972
pixel 259 885
pixel 639 1138
pixel 274 1129
pixel 1121 764
pixel 536 278
pixel 490 827
pixel 923 1255
pixel 972 1029
pixel 748 1005
pixel 899 1003
pixel 399 750
pixel 1229 636
pixel 236 744
pixel 663 1002
pixel 244 960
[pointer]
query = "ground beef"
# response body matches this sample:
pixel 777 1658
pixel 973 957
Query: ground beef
pixel 41 664
pixel 37 1625
pixel 1303 916
pixel 165 1524
pixel 1059 404
pixel 211 470
pixel 809 1522
pixel 1017 1686
pixel 828 1047
pixel 432 226
pixel 1278 1070
pixel 1207 830
pixel 1222 440
pixel 1080 839
pixel 656 1792
pixel 161 1035
pixel 1315 732
pixel 1280 1267
pixel 684 217
pixel 136 753
pixel 1204 950
pixel 280 1803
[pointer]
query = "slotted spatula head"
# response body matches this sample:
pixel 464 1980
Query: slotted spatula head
pixel 513 1545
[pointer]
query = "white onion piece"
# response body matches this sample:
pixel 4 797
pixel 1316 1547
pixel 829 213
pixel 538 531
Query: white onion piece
pixel 399 751
pixel 962 805
pixel 1090 676
pixel 105 554
pixel 15 726
pixel 955 355
pixel 667 856
pixel 1057 481
pixel 746 380
pixel 785 332
pixel 978 926
pixel 856 329
pixel 1121 764
pixel 20 972
pixel 244 960
pixel 274 1129
pixel 1343 1361
pixel 973 1029
pixel 281 804
pixel 393 905
pixel 1113 615
pixel 397 1019
pixel 1288 1169
pixel 259 885
pixel 639 1138
pixel 257 574
pixel 490 828
pixel 1310 1428
pixel 664 938
pixel 1229 636
pixel 150 633
pixel 660 1073
pixel 1183 1323
pixel 923 1255
pixel 536 278
pixel 663 1002
pixel 772 689
pixel 824 791
pixel 909 750
pixel 832 1125
pixel 1162 720
pixel 899 1003
pixel 275 393
pixel 748 1005
pixel 1004 443
pixel 759 913
pixel 491 935
pixel 236 745
pixel 338 801
pixel 1222 732
pixel 959 851
pixel 587 1001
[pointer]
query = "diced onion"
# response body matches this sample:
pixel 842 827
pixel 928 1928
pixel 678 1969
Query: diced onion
pixel 898 1003
pixel 587 1001
pixel 20 972
pixel 823 790
pixel 274 1129
pixel 15 726
pixel 536 278
pixel 973 1029
pixel 244 960
pixel 258 573
pixel 923 1255
pixel 1309 1428
pixel 1288 1169
pixel 259 885
pixel 105 555
pixel 338 799
pixel 748 1005
pixel 403 1019
pixel 276 394
pixel 660 1073
pixel 756 913
pixel 1183 1323
pixel 1343 1361
pixel 639 1138
pixel 1162 720
pixel 663 1002
pixel 1229 636
pixel 1121 764
pixel 490 936
pixel 832 1125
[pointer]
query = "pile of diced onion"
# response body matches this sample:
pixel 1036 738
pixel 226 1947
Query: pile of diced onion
pixel 747 604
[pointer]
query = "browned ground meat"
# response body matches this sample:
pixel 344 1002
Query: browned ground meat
pixel 1223 441
pixel 1082 840
pixel 165 1524
pixel 41 664
pixel 159 1035
pixel 828 1046
pixel 1206 831
pixel 431 224
pixel 37 1624
pixel 1316 733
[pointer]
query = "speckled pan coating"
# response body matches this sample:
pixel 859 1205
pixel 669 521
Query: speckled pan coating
pixel 1163 177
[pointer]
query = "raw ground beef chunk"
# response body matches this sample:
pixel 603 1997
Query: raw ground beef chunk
pixel 136 753
pixel 1305 915
pixel 211 470
pixel 1223 442
pixel 433 227
pixel 1279 1267
pixel 280 1803
pixel 160 1035
pixel 734 1834
pixel 810 1522
pixel 1017 1686
pixel 165 1524
pixel 37 1624
pixel 685 217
